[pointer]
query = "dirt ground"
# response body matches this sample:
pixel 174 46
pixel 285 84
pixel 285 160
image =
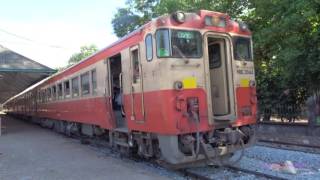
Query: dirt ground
pixel 29 152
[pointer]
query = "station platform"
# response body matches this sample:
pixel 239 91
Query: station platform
pixel 29 152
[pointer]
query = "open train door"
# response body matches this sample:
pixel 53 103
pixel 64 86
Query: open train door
pixel 136 91
pixel 219 78
pixel 115 85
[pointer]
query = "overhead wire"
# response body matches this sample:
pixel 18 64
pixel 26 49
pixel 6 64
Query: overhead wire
pixel 31 40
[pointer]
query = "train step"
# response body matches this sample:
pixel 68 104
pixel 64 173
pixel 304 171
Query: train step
pixel 122 129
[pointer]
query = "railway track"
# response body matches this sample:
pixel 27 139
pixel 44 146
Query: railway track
pixel 190 173
pixel 290 136
pixel 234 172
pixel 289 146
pixel 289 143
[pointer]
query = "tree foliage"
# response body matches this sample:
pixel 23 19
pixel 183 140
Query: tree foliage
pixel 138 12
pixel 85 51
pixel 286 36
pixel 287 48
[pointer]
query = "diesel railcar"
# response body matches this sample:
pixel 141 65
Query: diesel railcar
pixel 180 89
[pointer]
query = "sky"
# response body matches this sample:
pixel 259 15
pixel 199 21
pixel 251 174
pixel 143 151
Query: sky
pixel 49 32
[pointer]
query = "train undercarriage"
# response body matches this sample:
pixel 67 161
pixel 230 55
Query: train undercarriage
pixel 194 149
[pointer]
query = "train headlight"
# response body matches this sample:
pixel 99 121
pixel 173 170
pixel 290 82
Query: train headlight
pixel 179 16
pixel 178 85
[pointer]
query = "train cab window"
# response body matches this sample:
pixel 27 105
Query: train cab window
pixel 148 43
pixel 242 48
pixel 75 87
pixel 186 44
pixel 59 91
pixel 85 85
pixel 163 43
pixel 66 88
pixel 94 81
pixel 54 93
pixel 178 43
pixel 135 64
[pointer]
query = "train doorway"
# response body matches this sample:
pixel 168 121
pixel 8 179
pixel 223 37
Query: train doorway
pixel 116 91
pixel 220 79
pixel 137 98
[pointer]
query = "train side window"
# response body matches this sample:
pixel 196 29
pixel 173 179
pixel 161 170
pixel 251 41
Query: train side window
pixel 59 91
pixel 66 88
pixel 54 93
pixel 75 87
pixel 46 95
pixel 94 81
pixel 148 43
pixel 39 97
pixel 163 43
pixel 135 64
pixel 43 96
pixel 85 85
pixel 49 94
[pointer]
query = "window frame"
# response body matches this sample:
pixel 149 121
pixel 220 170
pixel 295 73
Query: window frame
pixel 201 43
pixel 43 96
pixel 89 91
pixel 135 77
pixel 234 44
pixel 78 84
pixel 148 48
pixel 220 58
pixel 60 91
pixel 65 95
pixel 54 92
pixel 94 90
pixel 49 94
pixel 170 43
pixel 169 37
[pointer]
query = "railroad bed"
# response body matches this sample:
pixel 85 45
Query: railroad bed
pixel 293 136
pixel 301 129
pixel 259 162
pixel 265 163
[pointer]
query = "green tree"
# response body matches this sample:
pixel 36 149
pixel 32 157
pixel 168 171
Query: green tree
pixel 287 48
pixel 139 12
pixel 85 51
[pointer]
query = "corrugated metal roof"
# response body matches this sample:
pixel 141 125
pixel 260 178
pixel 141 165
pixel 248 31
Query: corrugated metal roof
pixel 18 72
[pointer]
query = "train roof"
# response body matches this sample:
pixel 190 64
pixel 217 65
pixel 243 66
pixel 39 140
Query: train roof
pixel 193 20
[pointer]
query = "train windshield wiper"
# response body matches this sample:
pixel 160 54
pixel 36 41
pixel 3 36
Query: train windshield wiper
pixel 186 60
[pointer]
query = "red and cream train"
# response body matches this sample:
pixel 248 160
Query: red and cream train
pixel 181 89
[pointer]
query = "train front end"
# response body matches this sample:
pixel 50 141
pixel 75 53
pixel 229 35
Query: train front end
pixel 206 59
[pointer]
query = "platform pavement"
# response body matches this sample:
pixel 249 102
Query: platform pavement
pixel 29 152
